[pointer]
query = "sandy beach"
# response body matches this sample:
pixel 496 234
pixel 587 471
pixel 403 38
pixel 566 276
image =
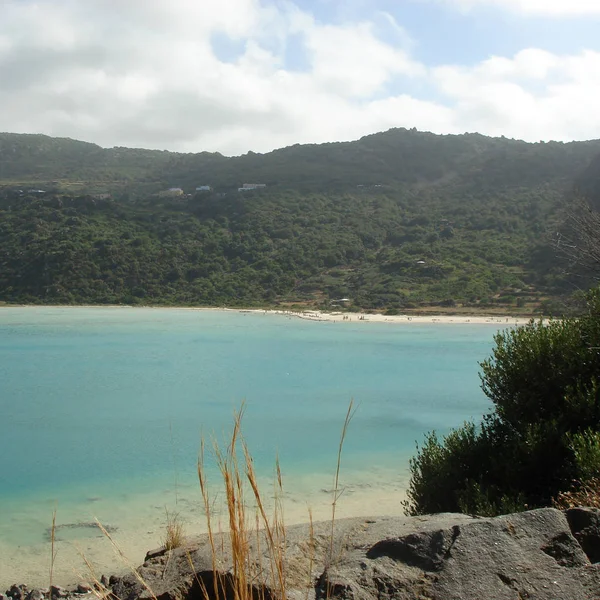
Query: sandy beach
pixel 315 315
pixel 346 317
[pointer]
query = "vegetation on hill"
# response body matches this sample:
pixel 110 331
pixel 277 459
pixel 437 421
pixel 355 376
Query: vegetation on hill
pixel 399 157
pixel 392 221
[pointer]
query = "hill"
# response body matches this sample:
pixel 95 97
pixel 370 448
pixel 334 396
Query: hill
pixel 398 157
pixel 394 220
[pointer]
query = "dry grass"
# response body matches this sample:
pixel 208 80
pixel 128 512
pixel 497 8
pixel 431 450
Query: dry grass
pixel 311 552
pixel 583 494
pixel 125 560
pixel 174 531
pixel 336 482
pixel 247 525
pixel 252 534
pixel 99 589
pixel 52 547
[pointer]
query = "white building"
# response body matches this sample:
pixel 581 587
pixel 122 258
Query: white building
pixel 252 186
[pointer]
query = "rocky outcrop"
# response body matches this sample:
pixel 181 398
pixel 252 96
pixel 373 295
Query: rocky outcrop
pixel 543 554
pixel 540 554
pixel 529 555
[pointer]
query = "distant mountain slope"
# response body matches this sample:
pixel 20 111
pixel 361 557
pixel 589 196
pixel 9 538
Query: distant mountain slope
pixel 587 185
pixel 395 220
pixel 398 157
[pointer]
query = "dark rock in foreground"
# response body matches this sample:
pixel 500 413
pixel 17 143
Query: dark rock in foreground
pixel 542 554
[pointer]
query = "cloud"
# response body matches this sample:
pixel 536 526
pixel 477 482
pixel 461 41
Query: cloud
pixel 145 73
pixel 141 73
pixel 352 61
pixel 551 8
pixel 534 96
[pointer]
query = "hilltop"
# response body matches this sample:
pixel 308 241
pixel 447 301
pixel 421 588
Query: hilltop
pixel 398 157
pixel 392 221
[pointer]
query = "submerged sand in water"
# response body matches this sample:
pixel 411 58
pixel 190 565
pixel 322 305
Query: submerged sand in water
pixel 137 524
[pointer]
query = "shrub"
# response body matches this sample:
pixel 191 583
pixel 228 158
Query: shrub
pixel 582 494
pixel 542 434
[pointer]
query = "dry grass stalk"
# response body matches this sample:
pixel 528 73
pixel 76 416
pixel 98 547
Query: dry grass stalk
pixel 248 574
pixel 125 560
pixel 247 578
pixel 311 551
pixel 336 483
pixel 274 530
pixel 236 510
pixel 583 494
pixel 98 588
pixel 52 547
pixel 174 531
pixel 211 538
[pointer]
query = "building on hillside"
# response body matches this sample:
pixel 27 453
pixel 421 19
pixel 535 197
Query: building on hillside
pixel 204 188
pixel 171 193
pixel 251 186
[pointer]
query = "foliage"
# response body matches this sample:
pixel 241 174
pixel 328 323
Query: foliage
pixel 394 220
pixel 399 156
pixel 543 432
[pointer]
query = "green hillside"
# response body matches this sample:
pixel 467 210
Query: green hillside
pixel 395 220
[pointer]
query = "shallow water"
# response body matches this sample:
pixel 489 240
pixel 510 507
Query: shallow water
pixel 103 410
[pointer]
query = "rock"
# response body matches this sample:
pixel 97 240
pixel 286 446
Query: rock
pixel 425 550
pixel 530 555
pixel 539 555
pixel 155 553
pixel 83 588
pixel 58 592
pixel 543 554
pixel 35 595
pixel 585 526
pixel 104 580
pixel 16 591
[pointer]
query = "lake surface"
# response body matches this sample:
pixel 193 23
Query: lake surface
pixel 103 410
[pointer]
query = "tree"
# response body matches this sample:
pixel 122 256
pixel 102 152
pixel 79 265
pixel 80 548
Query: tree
pixel 542 434
pixel 580 240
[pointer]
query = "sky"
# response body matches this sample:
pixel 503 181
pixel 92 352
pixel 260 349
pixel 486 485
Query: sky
pixel 234 76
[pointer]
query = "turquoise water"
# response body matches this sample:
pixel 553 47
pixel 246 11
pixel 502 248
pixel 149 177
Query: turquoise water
pixel 105 406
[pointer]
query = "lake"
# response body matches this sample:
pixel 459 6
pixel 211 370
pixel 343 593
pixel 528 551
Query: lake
pixel 103 410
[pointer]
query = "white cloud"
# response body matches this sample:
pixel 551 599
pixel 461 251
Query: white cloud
pixel 350 60
pixel 141 73
pixel 535 95
pixel 552 8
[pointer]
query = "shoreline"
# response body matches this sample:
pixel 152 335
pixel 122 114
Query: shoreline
pixel 316 315
pixel 30 563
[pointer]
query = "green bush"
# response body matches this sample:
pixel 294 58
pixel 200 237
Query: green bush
pixel 542 434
